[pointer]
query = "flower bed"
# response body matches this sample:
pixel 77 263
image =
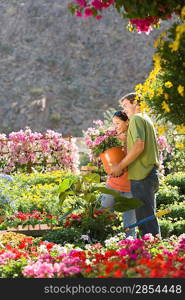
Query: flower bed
pixel 149 257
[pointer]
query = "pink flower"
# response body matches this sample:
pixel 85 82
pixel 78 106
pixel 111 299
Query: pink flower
pixel 98 123
pixel 144 24
pixel 123 252
pixel 78 14
pixel 148 237
pixel 98 17
pixel 82 3
pixel 99 140
pixel 97 4
pixel 88 12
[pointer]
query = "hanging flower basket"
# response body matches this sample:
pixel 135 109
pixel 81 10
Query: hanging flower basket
pixel 112 157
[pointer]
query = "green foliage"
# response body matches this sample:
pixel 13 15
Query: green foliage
pixel 134 9
pixel 177 162
pixel 95 229
pixel 65 235
pixel 13 269
pixel 176 179
pixel 86 187
pixel 35 191
pixel 166 228
pixel 167 195
pixel 164 86
pixel 179 227
pixel 171 195
pixel 121 203
pixel 177 211
pixel 100 226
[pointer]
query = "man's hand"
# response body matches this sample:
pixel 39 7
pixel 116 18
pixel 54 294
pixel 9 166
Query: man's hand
pixel 116 171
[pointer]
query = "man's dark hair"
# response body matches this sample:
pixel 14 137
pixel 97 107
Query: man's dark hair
pixel 131 97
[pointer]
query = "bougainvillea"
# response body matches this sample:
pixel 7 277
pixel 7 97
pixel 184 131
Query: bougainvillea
pixel 26 149
pixel 143 15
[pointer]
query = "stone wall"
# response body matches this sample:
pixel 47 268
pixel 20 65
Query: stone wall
pixel 60 72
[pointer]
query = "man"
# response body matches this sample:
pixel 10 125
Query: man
pixel 142 161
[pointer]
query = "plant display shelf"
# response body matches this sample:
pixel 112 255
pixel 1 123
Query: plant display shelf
pixel 35 231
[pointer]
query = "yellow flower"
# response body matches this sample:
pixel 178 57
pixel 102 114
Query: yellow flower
pixel 159 91
pixel 161 130
pixel 165 106
pixel 180 129
pixel 166 96
pixel 174 46
pixel 180 145
pixel 180 29
pixel 144 107
pixel 183 12
pixel 180 89
pixel 168 84
pixel 157 60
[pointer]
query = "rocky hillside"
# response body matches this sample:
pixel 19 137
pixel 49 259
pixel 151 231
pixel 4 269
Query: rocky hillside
pixel 60 72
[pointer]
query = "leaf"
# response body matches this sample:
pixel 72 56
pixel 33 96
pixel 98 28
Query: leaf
pixel 64 195
pixel 77 186
pixel 89 197
pixel 105 190
pixel 66 214
pixel 121 203
pixel 92 178
pixel 66 184
pixel 125 204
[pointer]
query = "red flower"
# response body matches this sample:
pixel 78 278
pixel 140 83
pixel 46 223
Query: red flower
pixel 118 274
pixel 88 269
pixel 22 245
pixel 49 246
pixel 111 253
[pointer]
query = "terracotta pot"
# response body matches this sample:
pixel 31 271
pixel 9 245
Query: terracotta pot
pixel 112 157
pixel 2 219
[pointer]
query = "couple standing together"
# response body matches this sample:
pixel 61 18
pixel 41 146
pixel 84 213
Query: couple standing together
pixel 137 174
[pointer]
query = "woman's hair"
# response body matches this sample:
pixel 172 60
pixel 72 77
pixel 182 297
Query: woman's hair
pixel 121 115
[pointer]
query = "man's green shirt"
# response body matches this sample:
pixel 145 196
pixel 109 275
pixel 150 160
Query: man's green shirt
pixel 141 127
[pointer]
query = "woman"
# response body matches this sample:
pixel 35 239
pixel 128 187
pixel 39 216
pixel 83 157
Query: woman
pixel 121 183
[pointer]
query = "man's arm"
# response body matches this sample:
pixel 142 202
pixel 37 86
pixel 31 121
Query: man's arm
pixel 137 149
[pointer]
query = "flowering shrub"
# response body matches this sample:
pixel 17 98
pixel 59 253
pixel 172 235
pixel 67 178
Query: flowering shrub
pixel 26 149
pixel 163 90
pixel 100 138
pixel 97 227
pixel 142 15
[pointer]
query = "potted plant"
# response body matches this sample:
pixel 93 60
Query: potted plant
pixel 102 142
pixel 84 190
